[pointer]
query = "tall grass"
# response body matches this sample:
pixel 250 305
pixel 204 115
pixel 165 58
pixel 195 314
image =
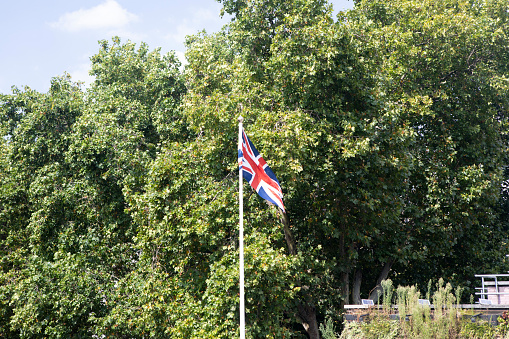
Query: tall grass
pixel 417 320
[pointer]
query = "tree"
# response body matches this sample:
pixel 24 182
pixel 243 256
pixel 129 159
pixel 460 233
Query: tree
pixel 357 122
pixel 386 129
pixel 438 56
pixel 37 128
pixel 79 157
pixel 311 136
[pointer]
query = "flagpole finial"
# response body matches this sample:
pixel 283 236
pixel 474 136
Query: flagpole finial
pixel 240 119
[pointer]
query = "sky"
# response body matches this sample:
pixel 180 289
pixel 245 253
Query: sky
pixel 44 39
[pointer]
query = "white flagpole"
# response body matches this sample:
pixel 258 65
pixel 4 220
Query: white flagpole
pixel 241 240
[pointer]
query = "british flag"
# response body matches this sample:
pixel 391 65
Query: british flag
pixel 259 175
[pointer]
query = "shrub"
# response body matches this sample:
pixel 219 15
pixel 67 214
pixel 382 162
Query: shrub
pixel 375 327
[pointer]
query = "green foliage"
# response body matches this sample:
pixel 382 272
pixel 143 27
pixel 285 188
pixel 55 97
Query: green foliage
pixel 388 290
pixel 352 330
pixel 70 159
pixel 387 129
pixel 55 299
pixel 442 322
pixel 503 325
pixel 327 330
pixel 477 330
pixel 429 68
pixel 377 327
pixel 420 321
pixel 139 87
pixel 368 123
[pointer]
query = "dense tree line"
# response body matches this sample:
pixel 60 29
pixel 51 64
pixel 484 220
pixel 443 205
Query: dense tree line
pixel 386 126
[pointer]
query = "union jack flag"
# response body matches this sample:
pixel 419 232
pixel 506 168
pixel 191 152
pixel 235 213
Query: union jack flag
pixel 259 175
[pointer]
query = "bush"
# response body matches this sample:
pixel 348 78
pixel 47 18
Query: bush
pixel 419 321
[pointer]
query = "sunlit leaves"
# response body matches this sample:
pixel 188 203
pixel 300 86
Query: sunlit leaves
pixel 386 129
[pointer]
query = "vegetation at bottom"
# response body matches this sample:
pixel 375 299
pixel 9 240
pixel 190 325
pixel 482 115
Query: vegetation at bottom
pixel 386 126
pixel 410 319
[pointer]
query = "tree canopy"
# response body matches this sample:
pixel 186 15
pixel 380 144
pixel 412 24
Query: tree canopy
pixel 386 127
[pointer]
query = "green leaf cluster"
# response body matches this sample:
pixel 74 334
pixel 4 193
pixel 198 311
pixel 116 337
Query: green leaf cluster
pixel 386 127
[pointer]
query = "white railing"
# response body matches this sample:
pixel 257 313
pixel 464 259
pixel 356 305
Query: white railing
pixel 490 285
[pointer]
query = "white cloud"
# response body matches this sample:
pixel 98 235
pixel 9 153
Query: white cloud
pixel 194 23
pixel 181 31
pixel 80 73
pixel 202 14
pixel 107 15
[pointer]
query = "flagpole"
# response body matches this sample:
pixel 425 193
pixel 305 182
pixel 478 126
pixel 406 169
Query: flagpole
pixel 241 239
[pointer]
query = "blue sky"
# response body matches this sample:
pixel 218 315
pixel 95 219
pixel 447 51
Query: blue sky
pixel 43 39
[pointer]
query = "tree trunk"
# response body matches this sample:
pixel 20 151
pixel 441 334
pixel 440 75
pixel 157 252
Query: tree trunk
pixel 307 315
pixel 345 276
pixel 306 312
pixel 377 292
pixel 356 291
pixel 345 283
pixel 290 241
